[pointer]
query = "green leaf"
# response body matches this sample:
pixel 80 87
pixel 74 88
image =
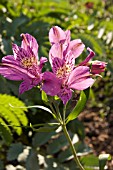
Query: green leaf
pixel 14 150
pixel 84 95
pixel 32 160
pixel 103 159
pixel 47 127
pixel 41 138
pixel 44 96
pixel 5 132
pixel 90 162
pixel 57 144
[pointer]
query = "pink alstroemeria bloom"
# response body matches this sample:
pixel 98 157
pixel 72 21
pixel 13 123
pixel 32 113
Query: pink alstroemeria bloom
pixel 97 67
pixel 63 47
pixel 65 77
pixel 23 64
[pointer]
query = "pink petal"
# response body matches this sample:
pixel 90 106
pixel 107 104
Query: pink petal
pixel 20 54
pixel 14 69
pixel 55 51
pixel 43 60
pixel 56 35
pixel 25 86
pixel 57 64
pixel 29 40
pixel 83 84
pixel 10 59
pixel 88 58
pixel 11 73
pixel 68 37
pixel 79 78
pixel 65 95
pixel 51 84
pixel 76 47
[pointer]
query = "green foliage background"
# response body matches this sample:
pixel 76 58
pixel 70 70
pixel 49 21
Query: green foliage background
pixel 89 20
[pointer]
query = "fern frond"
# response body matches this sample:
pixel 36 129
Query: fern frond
pixel 11 118
pixel 92 42
pixel 14 117
pixel 5 132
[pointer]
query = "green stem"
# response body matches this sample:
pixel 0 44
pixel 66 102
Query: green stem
pixel 58 117
pixel 72 147
pixel 69 140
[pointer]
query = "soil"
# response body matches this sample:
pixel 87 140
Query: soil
pixel 99 133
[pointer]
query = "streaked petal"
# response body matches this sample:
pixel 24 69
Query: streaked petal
pixel 79 78
pixel 68 36
pixel 88 58
pixel 76 47
pixel 29 40
pixel 51 84
pixel 55 51
pixel 11 73
pixel 9 59
pixel 65 95
pixel 56 35
pixel 57 63
pixel 20 53
pixel 15 69
pixel 25 86
pixel 28 84
pixel 43 60
pixel 82 84
pixel 98 67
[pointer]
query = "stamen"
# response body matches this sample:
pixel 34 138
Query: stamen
pixel 28 62
pixel 63 71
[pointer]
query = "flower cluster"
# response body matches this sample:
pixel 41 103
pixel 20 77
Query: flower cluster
pixel 65 77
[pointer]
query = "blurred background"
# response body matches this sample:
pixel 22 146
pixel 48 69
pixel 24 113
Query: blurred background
pixel 21 148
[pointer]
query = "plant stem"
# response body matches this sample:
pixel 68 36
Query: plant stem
pixel 69 140
pixel 72 147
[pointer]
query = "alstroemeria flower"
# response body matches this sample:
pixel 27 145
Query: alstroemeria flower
pixel 56 84
pixel 23 64
pixel 97 67
pixel 63 47
pixel 65 77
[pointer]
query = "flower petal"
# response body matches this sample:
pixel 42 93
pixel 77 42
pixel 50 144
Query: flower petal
pixel 51 84
pixel 20 53
pixel 57 63
pixel 43 60
pixel 83 84
pixel 25 86
pixel 11 73
pixel 75 48
pixel 65 95
pixel 8 70
pixel 56 35
pixel 30 41
pixel 98 67
pixel 88 58
pixel 79 78
pixel 55 51
pixel 9 59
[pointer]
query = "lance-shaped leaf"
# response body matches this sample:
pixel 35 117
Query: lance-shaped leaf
pixel 84 95
pixel 48 127
pixel 44 96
